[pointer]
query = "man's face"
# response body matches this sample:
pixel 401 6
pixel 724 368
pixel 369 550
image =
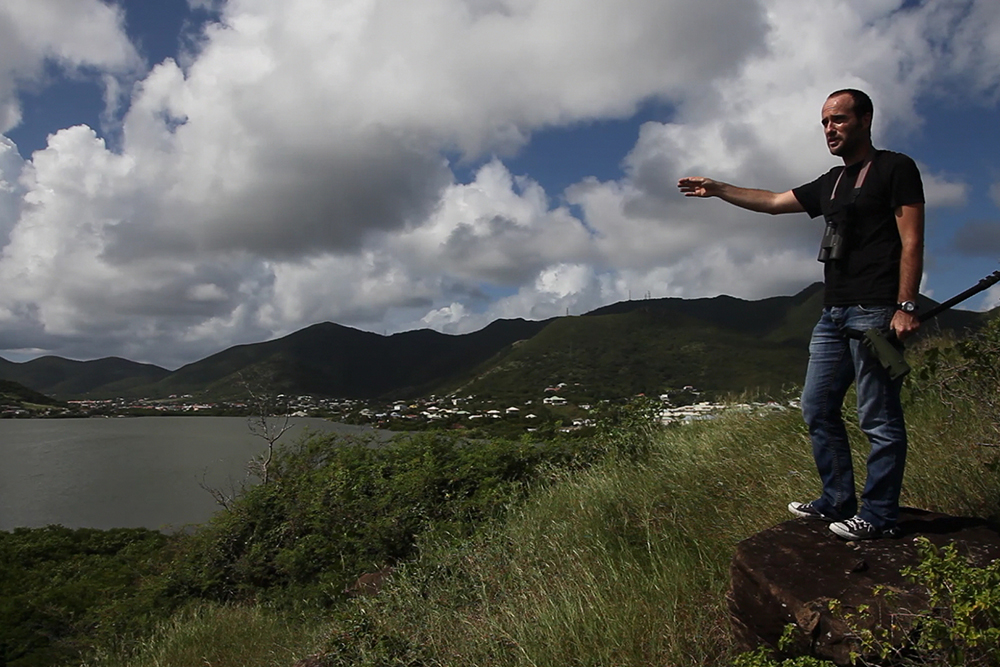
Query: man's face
pixel 845 132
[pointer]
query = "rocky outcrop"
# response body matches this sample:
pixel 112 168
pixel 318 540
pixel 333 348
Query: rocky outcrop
pixel 789 573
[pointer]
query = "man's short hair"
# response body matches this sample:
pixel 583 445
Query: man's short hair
pixel 862 103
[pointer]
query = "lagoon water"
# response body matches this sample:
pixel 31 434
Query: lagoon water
pixel 130 472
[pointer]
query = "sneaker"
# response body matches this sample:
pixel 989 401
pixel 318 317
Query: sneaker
pixel 857 528
pixel 808 511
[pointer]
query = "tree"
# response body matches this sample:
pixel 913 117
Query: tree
pixel 268 419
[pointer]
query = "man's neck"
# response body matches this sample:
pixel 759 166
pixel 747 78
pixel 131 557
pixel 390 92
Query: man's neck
pixel 859 155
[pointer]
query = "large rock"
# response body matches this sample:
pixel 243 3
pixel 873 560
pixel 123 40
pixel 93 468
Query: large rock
pixel 789 573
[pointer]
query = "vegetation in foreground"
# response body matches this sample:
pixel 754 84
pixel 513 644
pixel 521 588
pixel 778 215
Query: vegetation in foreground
pixel 607 551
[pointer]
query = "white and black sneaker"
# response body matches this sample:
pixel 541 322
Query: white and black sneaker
pixel 807 511
pixel 857 528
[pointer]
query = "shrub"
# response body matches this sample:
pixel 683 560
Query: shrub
pixel 63 590
pixel 961 625
pixel 966 373
pixel 337 508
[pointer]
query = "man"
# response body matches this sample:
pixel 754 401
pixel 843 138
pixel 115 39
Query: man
pixel 873 260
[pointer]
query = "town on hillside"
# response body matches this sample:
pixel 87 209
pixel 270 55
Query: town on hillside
pixel 556 409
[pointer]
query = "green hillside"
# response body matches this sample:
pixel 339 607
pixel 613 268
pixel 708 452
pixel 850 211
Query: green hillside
pixel 14 396
pixel 332 360
pixel 719 344
pixel 647 351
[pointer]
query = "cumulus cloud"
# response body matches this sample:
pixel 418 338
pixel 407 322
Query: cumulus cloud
pixel 299 164
pixel 74 35
pixel 11 191
pixel 964 38
pixel 941 192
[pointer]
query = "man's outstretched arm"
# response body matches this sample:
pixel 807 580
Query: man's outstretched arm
pixel 762 201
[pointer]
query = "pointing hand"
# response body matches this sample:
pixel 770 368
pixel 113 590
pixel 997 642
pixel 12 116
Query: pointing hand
pixel 697 186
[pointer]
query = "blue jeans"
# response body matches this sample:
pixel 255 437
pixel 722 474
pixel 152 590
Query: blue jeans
pixel 835 361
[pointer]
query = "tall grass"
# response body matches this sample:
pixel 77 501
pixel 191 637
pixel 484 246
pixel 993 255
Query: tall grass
pixel 626 563
pixel 623 563
pixel 208 634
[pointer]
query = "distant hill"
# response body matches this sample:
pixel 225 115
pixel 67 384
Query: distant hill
pixel 333 360
pixel 719 344
pixel 67 379
pixel 15 395
pixel 648 346
pixel 324 359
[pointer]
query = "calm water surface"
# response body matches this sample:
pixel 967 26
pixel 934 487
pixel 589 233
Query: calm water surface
pixel 138 472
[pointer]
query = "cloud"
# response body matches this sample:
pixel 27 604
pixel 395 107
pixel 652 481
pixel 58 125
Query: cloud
pixel 11 191
pixel 966 43
pixel 978 239
pixel 940 192
pixel 305 142
pixel 78 36
pixel 299 163
pixel 443 319
pixel 989 300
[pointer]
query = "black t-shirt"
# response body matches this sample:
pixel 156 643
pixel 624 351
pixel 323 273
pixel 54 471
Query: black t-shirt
pixel 869 274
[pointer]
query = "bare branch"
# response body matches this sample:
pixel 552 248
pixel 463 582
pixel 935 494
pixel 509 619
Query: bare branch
pixel 221 497
pixel 269 420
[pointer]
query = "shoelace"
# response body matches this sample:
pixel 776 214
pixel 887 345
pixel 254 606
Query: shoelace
pixel 856 523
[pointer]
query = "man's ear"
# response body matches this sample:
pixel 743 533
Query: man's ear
pixel 866 121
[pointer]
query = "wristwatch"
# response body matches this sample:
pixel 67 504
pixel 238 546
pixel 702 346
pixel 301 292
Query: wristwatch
pixel 907 306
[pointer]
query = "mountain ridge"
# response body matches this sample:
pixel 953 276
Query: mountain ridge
pixel 719 343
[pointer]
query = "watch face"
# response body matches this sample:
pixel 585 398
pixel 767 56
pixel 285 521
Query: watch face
pixel 908 306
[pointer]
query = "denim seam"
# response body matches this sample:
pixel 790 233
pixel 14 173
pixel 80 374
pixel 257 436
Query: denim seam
pixel 825 403
pixel 837 472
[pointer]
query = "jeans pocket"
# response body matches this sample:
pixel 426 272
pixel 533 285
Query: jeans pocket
pixel 871 317
pixel 875 310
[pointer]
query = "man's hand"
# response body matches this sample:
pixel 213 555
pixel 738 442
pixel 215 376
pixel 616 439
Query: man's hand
pixel 904 324
pixel 697 186
pixel 762 201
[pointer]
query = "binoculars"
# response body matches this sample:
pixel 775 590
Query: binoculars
pixel 834 245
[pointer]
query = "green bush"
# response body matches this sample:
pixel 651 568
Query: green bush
pixel 965 373
pixel 961 624
pixel 960 627
pixel 63 591
pixel 626 562
pixel 762 656
pixel 332 510
pixel 335 509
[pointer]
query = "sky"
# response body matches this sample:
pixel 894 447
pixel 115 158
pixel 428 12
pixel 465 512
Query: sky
pixel 181 176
